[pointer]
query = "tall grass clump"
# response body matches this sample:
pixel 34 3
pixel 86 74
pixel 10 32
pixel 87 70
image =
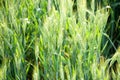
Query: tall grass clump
pixel 46 40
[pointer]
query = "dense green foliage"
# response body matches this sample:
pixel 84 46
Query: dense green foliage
pixel 41 40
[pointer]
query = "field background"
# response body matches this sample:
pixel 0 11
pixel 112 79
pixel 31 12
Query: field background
pixel 47 40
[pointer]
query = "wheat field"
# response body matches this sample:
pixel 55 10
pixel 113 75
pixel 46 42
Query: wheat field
pixel 47 40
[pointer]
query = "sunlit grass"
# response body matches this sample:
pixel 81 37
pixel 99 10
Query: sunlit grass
pixel 51 44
